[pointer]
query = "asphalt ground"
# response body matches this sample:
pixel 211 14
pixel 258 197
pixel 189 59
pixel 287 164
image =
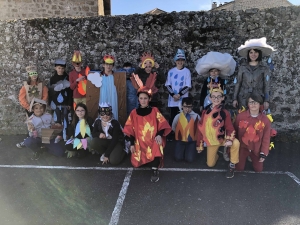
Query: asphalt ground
pixel 63 191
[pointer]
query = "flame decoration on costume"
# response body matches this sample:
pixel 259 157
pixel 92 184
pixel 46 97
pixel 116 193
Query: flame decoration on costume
pixel 76 58
pixel 149 87
pixel 82 83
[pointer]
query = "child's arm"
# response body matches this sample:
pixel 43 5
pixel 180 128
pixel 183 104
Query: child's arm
pixel 22 98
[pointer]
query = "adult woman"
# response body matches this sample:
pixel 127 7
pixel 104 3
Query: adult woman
pixel 253 75
pixel 254 132
pixel 108 138
pixel 146 129
pixel 32 88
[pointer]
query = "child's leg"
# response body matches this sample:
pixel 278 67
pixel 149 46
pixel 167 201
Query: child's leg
pixel 117 154
pixel 243 154
pixel 34 144
pixel 179 150
pixel 234 151
pixel 190 151
pixel 212 156
pixel 99 145
pixel 257 166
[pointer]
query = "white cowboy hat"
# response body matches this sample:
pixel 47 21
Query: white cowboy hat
pixel 216 60
pixel 260 44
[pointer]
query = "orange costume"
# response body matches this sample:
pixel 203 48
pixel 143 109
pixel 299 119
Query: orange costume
pixel 144 129
pixel 35 89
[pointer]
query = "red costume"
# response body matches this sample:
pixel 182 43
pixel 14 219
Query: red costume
pixel 254 134
pixel 144 129
pixel 73 75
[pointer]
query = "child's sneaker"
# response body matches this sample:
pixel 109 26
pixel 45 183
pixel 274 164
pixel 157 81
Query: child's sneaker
pixel 154 175
pixel 230 172
pixel 249 159
pixel 35 156
pixel 20 145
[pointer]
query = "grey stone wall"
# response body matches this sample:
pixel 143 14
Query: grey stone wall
pixel 20 9
pixel 41 41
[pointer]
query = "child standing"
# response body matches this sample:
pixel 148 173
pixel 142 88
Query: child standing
pixel 146 129
pixel 216 129
pixel 185 127
pixel 178 84
pixel 38 120
pixel 33 88
pixel 77 78
pixel 60 97
pixel 80 131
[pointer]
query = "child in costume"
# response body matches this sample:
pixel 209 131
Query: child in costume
pixel 33 88
pixel 108 138
pixel 146 129
pixel 105 81
pixel 60 97
pixel 185 127
pixel 215 129
pixel 80 132
pixel 178 84
pixel 35 123
pixel 77 78
pixel 253 75
pixel 146 67
pixel 254 132
pixel 216 67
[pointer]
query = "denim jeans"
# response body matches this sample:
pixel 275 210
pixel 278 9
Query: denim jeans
pixel 53 148
pixel 185 151
pixel 132 100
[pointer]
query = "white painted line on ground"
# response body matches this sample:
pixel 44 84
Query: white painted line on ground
pixel 291 175
pixel 117 210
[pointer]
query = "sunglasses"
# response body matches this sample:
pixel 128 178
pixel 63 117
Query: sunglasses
pixel 105 113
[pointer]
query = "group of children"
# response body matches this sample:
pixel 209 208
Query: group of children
pixel 145 131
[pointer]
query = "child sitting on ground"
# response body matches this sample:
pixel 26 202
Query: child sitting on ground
pixel 185 126
pixel 35 123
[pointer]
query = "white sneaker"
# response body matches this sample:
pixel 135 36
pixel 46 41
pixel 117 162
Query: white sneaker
pixel 249 159
pixel 102 158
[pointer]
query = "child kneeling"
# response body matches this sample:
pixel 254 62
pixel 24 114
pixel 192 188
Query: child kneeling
pixel 38 120
pixel 185 127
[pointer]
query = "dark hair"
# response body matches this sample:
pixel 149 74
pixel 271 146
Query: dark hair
pixel 144 92
pixel 259 58
pixel 75 117
pixel 256 97
pixel 44 107
pixel 127 64
pixel 187 101
pixel 29 80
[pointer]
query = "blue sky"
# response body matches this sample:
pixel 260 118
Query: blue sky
pixel 126 7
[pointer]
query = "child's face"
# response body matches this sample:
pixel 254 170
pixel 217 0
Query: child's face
pixel 180 63
pixel 77 66
pixel 108 68
pixel 38 110
pixel 60 70
pixel 144 100
pixel 214 73
pixel 186 108
pixel 80 112
pixel 105 116
pixel 253 105
pixel 216 98
pixel 148 66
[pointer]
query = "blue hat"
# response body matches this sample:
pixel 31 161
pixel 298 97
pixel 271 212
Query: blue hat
pixel 60 62
pixel 179 55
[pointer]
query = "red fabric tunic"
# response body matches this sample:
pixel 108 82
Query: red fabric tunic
pixel 144 130
pixel 253 132
pixel 73 75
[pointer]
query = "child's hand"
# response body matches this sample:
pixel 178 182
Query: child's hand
pixel 80 78
pixel 132 149
pixel 102 136
pixel 158 139
pixel 156 65
pixel 228 143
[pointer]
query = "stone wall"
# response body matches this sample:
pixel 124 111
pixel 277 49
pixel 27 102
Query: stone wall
pixel 41 41
pixel 20 9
